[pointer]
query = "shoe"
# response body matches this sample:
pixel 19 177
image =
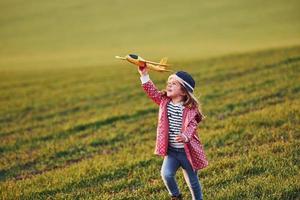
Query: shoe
pixel 179 197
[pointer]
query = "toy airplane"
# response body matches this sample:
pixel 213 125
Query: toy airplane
pixel 137 60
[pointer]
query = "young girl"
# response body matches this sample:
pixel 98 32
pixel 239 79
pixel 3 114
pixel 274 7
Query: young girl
pixel 177 140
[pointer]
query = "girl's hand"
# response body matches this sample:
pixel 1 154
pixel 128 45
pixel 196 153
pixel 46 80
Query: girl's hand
pixel 143 69
pixel 181 138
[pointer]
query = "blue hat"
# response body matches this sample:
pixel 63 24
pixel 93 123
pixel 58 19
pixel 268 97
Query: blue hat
pixel 187 79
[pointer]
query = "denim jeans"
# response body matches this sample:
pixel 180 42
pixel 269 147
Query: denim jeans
pixel 177 158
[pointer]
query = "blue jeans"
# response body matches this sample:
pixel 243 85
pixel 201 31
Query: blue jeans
pixel 177 158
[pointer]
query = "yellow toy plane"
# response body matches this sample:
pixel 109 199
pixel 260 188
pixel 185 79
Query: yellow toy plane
pixel 137 60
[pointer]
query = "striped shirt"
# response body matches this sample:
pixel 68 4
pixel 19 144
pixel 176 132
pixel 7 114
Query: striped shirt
pixel 175 122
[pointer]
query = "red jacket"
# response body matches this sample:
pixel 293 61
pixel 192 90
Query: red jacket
pixel 190 119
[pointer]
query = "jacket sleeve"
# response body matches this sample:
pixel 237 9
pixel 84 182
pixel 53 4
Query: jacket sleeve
pixel 151 90
pixel 191 129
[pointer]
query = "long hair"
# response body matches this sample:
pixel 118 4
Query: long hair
pixel 189 100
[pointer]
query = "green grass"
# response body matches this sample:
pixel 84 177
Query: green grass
pixel 55 34
pixel 76 124
pixel 90 133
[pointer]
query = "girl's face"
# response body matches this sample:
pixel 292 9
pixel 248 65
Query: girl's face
pixel 174 88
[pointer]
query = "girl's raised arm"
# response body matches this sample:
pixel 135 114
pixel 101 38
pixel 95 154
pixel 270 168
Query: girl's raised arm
pixel 149 87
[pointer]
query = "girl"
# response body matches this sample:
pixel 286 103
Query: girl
pixel 177 140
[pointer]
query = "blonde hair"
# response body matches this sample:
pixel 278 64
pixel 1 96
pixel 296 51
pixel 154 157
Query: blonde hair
pixel 190 100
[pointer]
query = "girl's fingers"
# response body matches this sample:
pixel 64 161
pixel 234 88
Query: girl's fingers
pixel 179 139
pixel 144 64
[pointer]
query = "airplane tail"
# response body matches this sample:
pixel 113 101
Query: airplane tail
pixel 163 61
pixel 162 66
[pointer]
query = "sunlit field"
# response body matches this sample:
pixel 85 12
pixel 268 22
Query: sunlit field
pixel 75 33
pixel 75 122
pixel 91 133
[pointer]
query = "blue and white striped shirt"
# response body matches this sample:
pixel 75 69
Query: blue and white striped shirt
pixel 175 122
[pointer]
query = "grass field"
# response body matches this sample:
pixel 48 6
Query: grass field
pixel 90 133
pixel 70 33
pixel 76 124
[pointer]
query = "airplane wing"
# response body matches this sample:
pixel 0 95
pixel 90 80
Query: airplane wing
pixel 155 63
